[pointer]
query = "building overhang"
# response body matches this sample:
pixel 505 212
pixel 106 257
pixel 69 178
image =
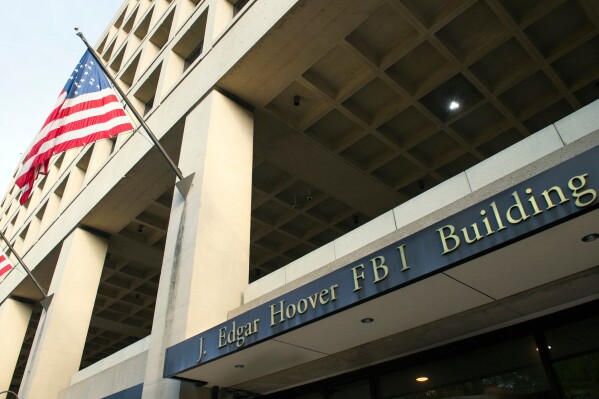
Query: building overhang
pixel 506 259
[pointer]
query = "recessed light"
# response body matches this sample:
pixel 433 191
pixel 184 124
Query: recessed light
pixel 454 105
pixel 367 320
pixel 239 366
pixel 422 379
pixel 548 347
pixel 590 237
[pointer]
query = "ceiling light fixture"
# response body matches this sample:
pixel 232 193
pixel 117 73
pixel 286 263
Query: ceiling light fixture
pixel 367 320
pixel 422 379
pixel 239 366
pixel 454 105
pixel 548 347
pixel 590 237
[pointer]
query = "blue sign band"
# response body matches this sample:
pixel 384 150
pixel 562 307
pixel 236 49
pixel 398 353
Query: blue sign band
pixel 551 197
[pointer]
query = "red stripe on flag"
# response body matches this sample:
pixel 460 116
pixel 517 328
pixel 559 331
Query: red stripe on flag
pixel 60 113
pixel 4 261
pixel 86 110
pixel 80 124
pixel 98 135
pixel 5 269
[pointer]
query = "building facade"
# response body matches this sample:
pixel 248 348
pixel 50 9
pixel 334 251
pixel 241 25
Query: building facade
pixel 387 199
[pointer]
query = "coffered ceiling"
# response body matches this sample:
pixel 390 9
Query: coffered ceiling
pixel 353 103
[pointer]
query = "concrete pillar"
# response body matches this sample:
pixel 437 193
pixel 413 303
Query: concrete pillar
pixel 58 345
pixel 206 259
pixel 14 318
pixel 73 186
pixel 219 18
pixel 100 154
pixel 52 207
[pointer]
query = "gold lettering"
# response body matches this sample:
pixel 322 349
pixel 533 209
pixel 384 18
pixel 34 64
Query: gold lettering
pixel 333 294
pixel 486 223
pixel 357 276
pixel 377 267
pixel 497 216
pixel 302 303
pixel 231 334
pixel 240 338
pixel 402 253
pixel 444 237
pixel 477 234
pixel 279 312
pixel 517 206
pixel 547 196
pixel 322 296
pixel 255 330
pixel 581 183
pixel 201 351
pixel 533 202
pixel 312 299
pixel 222 337
pixel 290 311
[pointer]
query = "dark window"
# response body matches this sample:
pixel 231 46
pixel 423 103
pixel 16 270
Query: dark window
pixel 149 105
pixel 239 5
pixel 574 351
pixel 193 55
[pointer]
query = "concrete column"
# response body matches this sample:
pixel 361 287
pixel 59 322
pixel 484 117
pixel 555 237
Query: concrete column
pixel 58 345
pixel 52 207
pixel 219 17
pixel 100 154
pixel 14 318
pixel 206 259
pixel 74 183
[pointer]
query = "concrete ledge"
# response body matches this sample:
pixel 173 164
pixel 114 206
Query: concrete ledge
pixel 579 124
pixel 515 157
pixel 265 284
pixel 130 351
pixel 431 200
pixel 310 262
pixel 376 228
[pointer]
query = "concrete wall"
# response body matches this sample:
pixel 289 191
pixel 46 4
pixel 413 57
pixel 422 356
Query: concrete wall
pixel 115 373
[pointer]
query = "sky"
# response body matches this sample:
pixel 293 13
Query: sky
pixel 39 51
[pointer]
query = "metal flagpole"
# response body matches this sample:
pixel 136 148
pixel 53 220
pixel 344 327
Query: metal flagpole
pixel 184 182
pixel 46 299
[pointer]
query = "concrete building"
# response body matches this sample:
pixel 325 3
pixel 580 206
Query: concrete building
pixel 383 190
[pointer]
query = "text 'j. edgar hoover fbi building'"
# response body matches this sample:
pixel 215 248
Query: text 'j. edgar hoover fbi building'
pixel 388 199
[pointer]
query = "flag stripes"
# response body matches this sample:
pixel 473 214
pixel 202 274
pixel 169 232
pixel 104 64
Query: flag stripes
pixel 5 265
pixel 87 110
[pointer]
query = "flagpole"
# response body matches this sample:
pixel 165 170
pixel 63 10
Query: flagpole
pixel 12 250
pixel 137 115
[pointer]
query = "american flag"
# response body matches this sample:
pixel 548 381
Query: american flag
pixel 87 110
pixel 5 265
